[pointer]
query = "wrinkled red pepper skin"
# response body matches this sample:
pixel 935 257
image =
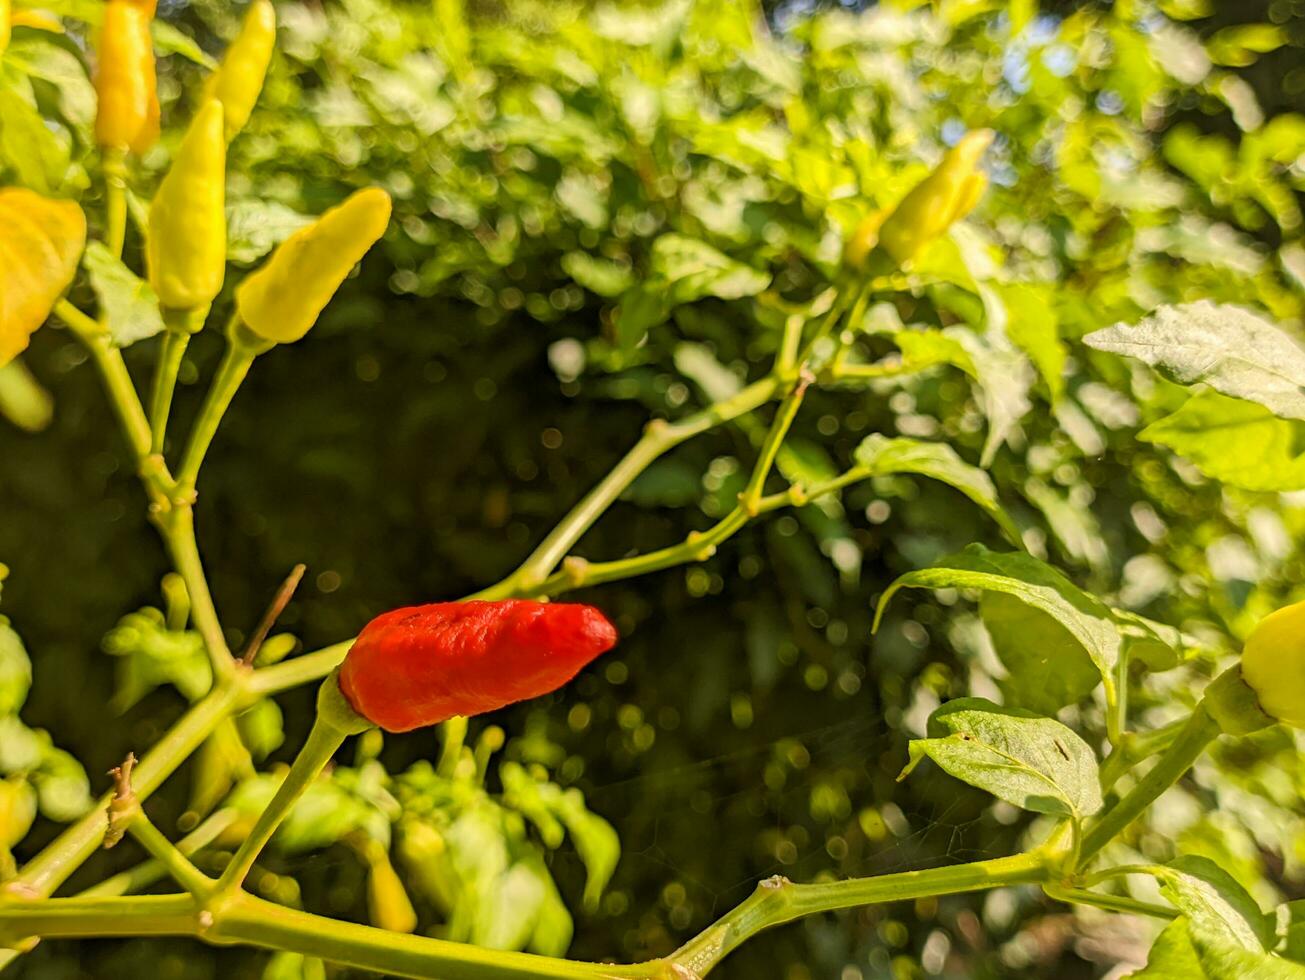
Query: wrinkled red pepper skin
pixel 421 665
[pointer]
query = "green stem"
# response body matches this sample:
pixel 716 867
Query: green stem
pixel 1195 737
pixel 454 732
pixel 136 915
pixel 748 500
pixel 231 372
pixel 148 872
pixel 301 670
pixel 254 921
pixel 117 382
pixel 177 526
pixel 1134 747
pixel 168 854
pixel 1117 708
pixel 324 739
pixel 1112 903
pixel 44 873
pixel 180 325
pixel 789 342
pixel 658 438
pixel 114 166
pixel 245 920
pixel 777 901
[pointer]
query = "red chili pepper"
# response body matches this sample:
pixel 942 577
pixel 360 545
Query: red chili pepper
pixel 420 665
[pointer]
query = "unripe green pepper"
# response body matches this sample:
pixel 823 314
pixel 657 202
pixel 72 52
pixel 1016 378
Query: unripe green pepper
pixel 239 79
pixel 938 201
pixel 186 253
pixel 282 299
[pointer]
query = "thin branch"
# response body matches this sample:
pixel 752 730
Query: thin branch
pixel 273 613
pixel 1111 903
pixel 658 438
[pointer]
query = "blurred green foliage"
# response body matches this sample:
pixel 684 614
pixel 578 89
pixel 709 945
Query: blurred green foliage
pixel 607 213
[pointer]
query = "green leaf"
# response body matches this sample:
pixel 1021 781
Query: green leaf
pixel 697 363
pixel 1236 442
pixel 509 909
pixel 1047 668
pixel 1158 645
pixel 15 670
pixel 600 276
pixel 255 227
pixel 1002 375
pixel 1031 762
pixel 1214 903
pixel 21 748
pixel 1226 347
pixel 1033 583
pixel 173 41
pixel 595 840
pixel 553 924
pixel 29 148
pixel 127 303
pixel 1032 326
pixel 1238 46
pixel 695 269
pixel 261 728
pixel 1172 956
pixel 62 789
pixel 1178 954
pixel 881 456
pixel 42 58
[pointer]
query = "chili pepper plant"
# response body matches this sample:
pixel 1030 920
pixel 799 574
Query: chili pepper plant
pixel 897 240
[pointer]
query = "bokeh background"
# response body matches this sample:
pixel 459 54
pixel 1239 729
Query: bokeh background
pixel 471 382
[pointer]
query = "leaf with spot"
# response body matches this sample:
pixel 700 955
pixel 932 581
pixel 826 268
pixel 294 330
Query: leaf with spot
pixel 1029 761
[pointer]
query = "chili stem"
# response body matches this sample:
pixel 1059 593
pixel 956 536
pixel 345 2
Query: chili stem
pixel 231 372
pixel 777 901
pixel 324 739
pixel 180 324
pixel 1185 749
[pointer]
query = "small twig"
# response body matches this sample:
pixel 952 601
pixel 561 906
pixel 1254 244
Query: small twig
pixel 123 804
pixel 274 610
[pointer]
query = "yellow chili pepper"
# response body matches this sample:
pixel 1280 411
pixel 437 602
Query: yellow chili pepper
pixel 388 904
pixel 864 239
pixel 186 252
pixel 239 78
pixel 17 810
pixel 941 199
pixel 1273 664
pixel 283 298
pixel 41 241
pixel 128 114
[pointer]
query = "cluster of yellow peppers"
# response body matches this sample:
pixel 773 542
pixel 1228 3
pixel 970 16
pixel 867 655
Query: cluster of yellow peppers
pixel 185 241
